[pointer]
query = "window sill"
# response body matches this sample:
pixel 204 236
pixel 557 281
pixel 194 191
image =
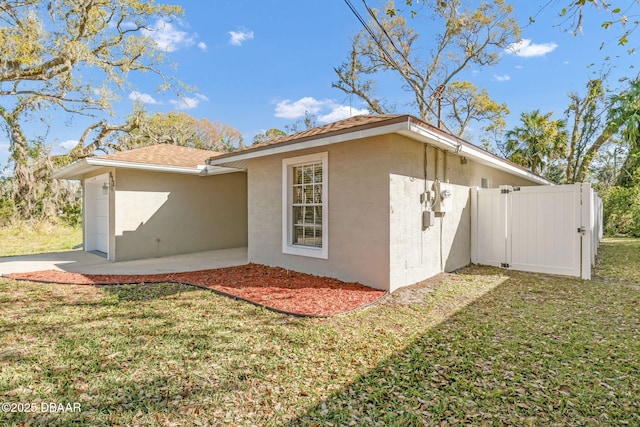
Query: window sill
pixel 305 251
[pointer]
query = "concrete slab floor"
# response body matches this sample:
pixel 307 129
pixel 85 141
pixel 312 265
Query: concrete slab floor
pixel 89 263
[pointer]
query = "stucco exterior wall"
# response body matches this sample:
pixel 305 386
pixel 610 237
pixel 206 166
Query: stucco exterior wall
pixel 159 214
pixel 358 213
pixel 375 211
pixel 417 253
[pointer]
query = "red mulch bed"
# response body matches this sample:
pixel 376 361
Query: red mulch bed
pixel 275 288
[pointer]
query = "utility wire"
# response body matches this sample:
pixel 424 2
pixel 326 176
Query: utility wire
pixel 371 33
pixel 382 47
pixel 392 41
pixel 406 60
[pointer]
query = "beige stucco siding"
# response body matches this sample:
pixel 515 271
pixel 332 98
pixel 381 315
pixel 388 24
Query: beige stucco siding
pixel 158 214
pixel 358 213
pixel 417 253
pixel 375 211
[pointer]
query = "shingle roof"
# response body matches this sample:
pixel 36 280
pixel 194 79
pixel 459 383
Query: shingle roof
pixel 350 123
pixel 163 154
pixel 357 124
pixel 347 125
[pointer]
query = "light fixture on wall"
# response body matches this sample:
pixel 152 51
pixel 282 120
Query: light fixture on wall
pixel 105 189
pixel 463 160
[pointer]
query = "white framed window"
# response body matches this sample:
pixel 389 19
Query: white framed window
pixel 484 182
pixel 305 205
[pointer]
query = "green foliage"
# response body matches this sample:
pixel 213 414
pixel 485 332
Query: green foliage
pixel 71 213
pixel 179 128
pixel 538 143
pixel 44 48
pixel 268 135
pixel 623 20
pixel 7 210
pixel 621 211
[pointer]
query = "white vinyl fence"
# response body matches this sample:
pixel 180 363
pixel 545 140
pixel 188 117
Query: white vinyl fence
pixel 546 229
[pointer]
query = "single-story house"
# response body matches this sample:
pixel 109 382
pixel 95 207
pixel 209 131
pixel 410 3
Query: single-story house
pixel 383 200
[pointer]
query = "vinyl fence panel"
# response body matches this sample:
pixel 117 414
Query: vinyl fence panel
pixel 545 229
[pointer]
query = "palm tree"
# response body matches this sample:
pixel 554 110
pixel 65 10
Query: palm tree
pixel 538 142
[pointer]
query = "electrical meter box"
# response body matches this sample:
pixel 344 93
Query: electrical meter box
pixel 443 197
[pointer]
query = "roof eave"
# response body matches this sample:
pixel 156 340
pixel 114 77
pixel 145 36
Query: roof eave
pixel 404 126
pixel 440 139
pixel 76 170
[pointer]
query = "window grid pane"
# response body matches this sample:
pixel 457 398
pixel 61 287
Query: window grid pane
pixel 307 205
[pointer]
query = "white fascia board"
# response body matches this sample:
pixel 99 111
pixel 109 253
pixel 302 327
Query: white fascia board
pixel 96 161
pixel 73 171
pixel 217 170
pixel 476 154
pixel 83 166
pixel 434 138
pixel 312 143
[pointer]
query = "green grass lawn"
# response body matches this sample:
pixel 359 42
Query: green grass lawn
pixel 23 239
pixel 484 347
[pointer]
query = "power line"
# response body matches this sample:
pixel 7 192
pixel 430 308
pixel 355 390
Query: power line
pixel 371 33
pixel 439 89
pixel 383 48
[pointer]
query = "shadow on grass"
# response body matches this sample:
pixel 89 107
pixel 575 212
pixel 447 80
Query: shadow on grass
pixel 535 350
pixel 146 291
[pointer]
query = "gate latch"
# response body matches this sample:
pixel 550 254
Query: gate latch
pixel 582 230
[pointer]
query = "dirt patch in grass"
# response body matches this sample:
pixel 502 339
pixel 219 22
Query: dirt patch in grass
pixel 416 294
pixel 275 288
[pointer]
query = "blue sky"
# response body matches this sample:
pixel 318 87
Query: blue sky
pixel 262 64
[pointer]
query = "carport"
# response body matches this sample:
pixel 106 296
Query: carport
pixel 159 200
pixel 90 263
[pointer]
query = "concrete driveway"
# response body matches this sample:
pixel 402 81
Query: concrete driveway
pixel 88 263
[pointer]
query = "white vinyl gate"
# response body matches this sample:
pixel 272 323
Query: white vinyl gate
pixel 546 229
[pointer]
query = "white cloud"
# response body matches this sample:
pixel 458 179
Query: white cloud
pixel 326 110
pixel 518 67
pixel 526 49
pixel 565 62
pixel 202 46
pixel 68 144
pixel 168 37
pixel 293 110
pixel 188 103
pixel 341 112
pixel 502 78
pixel 144 98
pixel 238 37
